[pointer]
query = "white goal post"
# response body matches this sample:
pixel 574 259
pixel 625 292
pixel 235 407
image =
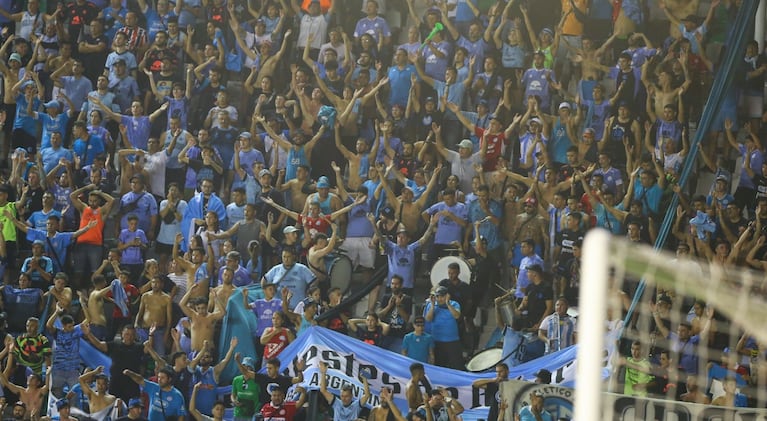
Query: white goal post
pixel 736 293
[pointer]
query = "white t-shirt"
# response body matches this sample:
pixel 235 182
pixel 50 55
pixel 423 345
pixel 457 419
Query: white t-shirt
pixel 155 167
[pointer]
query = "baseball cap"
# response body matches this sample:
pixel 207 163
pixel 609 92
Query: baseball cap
pixel 289 229
pixel 264 172
pixel 430 98
pixel 482 102
pixel 246 135
pixel 249 363
pixel 564 105
pixel 537 393
pixel 589 130
pixel 323 183
pixel 663 298
pixel 419 319
pixel 534 120
pixel 14 56
pixel 62 403
pixel 388 212
pixel 466 144
pixel 547 31
pixel 52 104
pixel 441 290
pixel 722 177
pixel 119 61
pixel 38 243
pixel 135 403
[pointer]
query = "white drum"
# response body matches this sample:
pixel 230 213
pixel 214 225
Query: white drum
pixel 439 270
pixel 484 360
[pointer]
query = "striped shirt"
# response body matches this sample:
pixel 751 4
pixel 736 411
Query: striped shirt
pixel 560 330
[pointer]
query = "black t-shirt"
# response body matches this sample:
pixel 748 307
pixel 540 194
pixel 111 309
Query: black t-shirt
pixel 124 357
pixel 265 381
pixel 460 292
pixel 95 60
pixel 421 123
pixel 375 337
pixel 182 380
pixel 566 239
pixel 537 295
pixel 492 390
pixel 397 325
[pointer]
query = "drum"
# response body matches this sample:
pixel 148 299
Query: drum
pixel 506 309
pixel 484 361
pixel 340 273
pixel 439 270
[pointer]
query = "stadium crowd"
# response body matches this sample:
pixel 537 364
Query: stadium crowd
pixel 160 157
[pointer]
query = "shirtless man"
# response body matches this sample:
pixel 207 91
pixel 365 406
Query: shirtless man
pixel 202 322
pixel 550 186
pixel 32 395
pixel 62 294
pixel 99 399
pixel 155 309
pixel 267 62
pixel 359 160
pixel 406 210
pixel 196 273
pixel 386 409
pixel 10 73
pixel 321 248
pixel 223 291
pixel 530 225
pixel 511 208
pixel 300 187
pixel 663 91
pixel 94 307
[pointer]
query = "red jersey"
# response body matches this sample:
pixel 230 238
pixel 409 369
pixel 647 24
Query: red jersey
pixel 285 412
pixel 276 344
pixel 316 225
pixel 495 146
pixel 132 292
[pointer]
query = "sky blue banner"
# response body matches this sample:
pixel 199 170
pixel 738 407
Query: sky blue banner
pixel 345 357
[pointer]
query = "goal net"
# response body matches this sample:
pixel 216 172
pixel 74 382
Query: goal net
pixel 693 335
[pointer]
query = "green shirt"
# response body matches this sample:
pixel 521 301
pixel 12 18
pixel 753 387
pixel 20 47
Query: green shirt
pixel 9 230
pixel 634 376
pixel 246 393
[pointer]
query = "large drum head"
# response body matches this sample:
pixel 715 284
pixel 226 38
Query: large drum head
pixel 484 360
pixel 439 270
pixel 341 273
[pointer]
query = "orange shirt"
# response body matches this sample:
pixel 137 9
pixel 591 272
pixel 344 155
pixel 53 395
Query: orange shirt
pixel 572 26
pixel 94 235
pixel 324 5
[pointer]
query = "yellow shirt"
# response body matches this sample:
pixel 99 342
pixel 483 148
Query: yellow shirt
pixel 572 26
pixel 9 230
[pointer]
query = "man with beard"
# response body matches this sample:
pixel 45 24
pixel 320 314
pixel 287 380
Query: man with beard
pixel 408 209
pixel 395 310
pixel 299 152
pixel 164 400
pixel 492 388
pixel 207 375
pixel 127 356
pixel 386 410
pixel 198 206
